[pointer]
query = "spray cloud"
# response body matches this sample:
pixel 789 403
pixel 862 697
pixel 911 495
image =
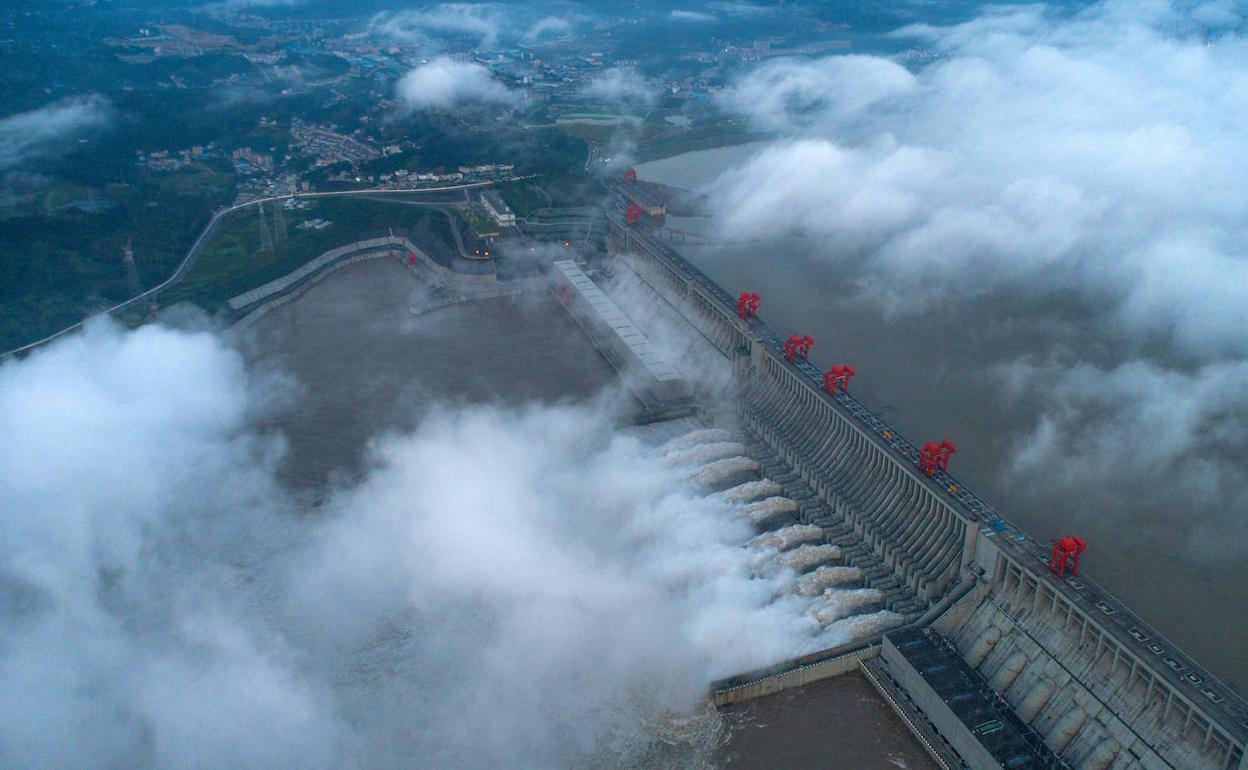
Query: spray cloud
pixel 501 578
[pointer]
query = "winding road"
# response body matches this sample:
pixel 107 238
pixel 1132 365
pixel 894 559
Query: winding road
pixel 208 230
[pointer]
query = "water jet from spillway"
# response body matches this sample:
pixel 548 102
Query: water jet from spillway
pixel 841 603
pixel 705 453
pixel 863 626
pixel 806 556
pixel 788 537
pixel 723 472
pixel 764 510
pixel 750 491
pixel 814 583
pixel 693 438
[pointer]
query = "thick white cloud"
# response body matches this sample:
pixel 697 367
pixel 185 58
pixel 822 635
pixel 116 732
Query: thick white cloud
pixel 878 190
pixel 1091 162
pixel 446 83
pixel 1100 412
pixel 484 21
pixel 1178 433
pixel 695 16
pixel 548 25
pixel 519 588
pixel 620 84
pixel 786 93
pixel 1098 151
pixel 28 135
pixel 133 503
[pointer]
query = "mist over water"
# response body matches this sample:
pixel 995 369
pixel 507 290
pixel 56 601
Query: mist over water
pixel 518 586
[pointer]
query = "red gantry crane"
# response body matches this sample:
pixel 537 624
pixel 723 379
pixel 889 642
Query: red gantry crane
pixel 1065 555
pixel 747 305
pixel 798 346
pixel 935 456
pixel 837 378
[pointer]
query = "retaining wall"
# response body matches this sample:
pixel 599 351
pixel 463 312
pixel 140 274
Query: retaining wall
pixel 299 289
pixel 389 244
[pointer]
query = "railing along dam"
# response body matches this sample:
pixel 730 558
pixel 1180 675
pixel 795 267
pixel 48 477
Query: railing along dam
pixel 1088 684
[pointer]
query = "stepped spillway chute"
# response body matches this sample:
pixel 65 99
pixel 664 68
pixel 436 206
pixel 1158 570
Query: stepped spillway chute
pixel 693 438
pixel 788 537
pixel 817 581
pixel 705 453
pixel 721 473
pixel 840 603
pixel 762 511
pixel 751 491
pixel 806 556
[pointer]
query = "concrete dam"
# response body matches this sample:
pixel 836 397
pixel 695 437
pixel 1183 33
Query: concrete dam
pixel 991 659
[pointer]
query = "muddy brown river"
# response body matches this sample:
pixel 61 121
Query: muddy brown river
pixel 366 365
